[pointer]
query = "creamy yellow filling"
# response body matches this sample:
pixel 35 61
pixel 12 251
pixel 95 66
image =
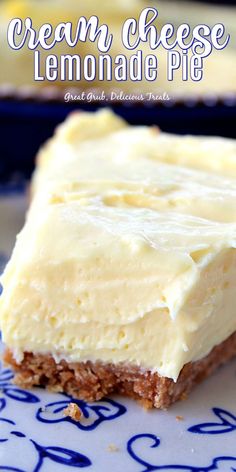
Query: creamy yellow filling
pixel 128 253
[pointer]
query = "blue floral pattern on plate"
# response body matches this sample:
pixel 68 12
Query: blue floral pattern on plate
pixel 106 410
pixel 48 455
pixel 226 423
pixel 216 464
pixel 93 413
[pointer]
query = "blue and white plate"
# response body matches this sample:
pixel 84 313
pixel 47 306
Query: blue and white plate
pixel 116 434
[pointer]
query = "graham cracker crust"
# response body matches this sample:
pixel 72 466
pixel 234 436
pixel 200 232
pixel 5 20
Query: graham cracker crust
pixel 91 381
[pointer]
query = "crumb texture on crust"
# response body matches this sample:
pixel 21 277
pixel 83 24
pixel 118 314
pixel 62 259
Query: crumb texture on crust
pixel 91 381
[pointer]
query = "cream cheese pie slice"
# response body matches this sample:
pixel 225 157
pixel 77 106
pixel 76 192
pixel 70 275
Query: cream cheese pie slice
pixel 123 277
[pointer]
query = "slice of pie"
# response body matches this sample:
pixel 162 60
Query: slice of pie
pixel 123 277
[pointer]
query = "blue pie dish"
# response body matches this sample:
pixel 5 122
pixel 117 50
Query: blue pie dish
pixel 26 122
